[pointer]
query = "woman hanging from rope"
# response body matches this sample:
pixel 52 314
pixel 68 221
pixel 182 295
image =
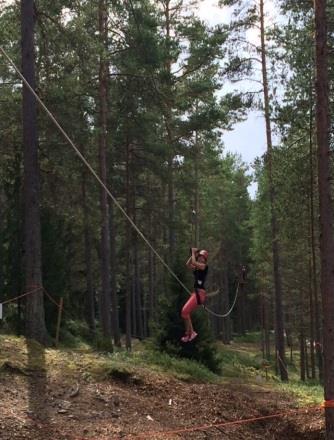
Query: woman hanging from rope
pixel 198 264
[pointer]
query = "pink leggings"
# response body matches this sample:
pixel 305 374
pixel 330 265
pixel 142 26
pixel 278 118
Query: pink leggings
pixel 191 304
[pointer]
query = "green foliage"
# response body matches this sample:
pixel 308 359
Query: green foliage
pixel 169 328
pixel 249 337
pixel 103 344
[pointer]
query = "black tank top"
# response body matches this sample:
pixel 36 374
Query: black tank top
pixel 200 276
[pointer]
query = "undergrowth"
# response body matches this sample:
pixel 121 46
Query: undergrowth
pixel 241 362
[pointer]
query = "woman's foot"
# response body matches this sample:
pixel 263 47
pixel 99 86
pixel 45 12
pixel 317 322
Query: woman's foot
pixel 192 336
pixel 189 338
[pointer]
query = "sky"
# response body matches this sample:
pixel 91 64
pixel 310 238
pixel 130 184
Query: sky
pixel 248 137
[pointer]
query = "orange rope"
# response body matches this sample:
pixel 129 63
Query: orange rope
pixel 50 298
pixel 146 435
pixel 23 294
pixel 328 404
pixel 36 289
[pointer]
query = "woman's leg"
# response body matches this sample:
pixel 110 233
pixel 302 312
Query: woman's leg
pixel 189 306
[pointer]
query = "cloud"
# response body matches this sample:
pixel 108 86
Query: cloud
pixel 210 12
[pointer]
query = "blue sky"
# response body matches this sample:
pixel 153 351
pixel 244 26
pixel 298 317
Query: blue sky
pixel 248 137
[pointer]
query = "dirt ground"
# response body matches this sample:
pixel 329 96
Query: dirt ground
pixel 45 402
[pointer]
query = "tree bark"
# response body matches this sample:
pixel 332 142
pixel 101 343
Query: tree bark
pixel 34 312
pixel 302 355
pixel 311 325
pixel 168 123
pixel 128 287
pixel 326 206
pixel 314 259
pixel 105 293
pixel 90 303
pixel 114 299
pixel 279 321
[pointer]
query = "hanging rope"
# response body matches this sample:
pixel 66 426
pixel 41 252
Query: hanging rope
pixel 84 160
pixel 225 315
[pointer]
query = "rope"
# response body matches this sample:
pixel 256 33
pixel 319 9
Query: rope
pixel 328 404
pixel 84 160
pixel 50 298
pixel 29 293
pixel 150 434
pixel 23 294
pixel 225 315
pixel 280 360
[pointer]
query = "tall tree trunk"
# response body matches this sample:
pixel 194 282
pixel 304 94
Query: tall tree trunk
pixel 170 142
pixel 151 271
pixel 128 287
pixel 265 327
pixel 314 259
pixel 105 293
pixel 279 321
pixel 138 308
pixel 114 299
pixel 326 207
pixel 302 338
pixel 89 301
pixel 310 290
pixel 302 355
pixel 227 330
pixel 241 305
pixel 35 317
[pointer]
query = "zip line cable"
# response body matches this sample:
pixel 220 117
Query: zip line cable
pixel 84 160
pixel 91 169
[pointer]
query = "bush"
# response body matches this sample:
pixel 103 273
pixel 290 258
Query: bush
pixel 169 328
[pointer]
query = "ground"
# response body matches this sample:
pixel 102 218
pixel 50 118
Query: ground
pixel 58 395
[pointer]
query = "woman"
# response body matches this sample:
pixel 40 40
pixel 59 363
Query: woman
pixel 198 263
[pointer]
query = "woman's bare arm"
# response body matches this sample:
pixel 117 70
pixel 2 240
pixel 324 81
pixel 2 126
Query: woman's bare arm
pixel 196 264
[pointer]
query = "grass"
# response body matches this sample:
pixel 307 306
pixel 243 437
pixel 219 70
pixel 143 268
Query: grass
pixel 240 361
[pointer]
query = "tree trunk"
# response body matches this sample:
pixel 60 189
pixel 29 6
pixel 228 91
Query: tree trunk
pixel 326 207
pixel 151 276
pixel 314 259
pixel 128 287
pixel 114 299
pixel 138 308
pixel 105 293
pixel 90 302
pixel 34 317
pixel 302 338
pixel 279 321
pixel 241 305
pixel 265 327
pixel 224 303
pixel 312 354
pixel 168 123
pixel 302 355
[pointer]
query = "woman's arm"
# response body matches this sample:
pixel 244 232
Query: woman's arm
pixel 189 263
pixel 196 264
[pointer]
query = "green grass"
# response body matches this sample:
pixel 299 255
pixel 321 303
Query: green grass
pixel 239 361
pixel 305 393
pixel 252 337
